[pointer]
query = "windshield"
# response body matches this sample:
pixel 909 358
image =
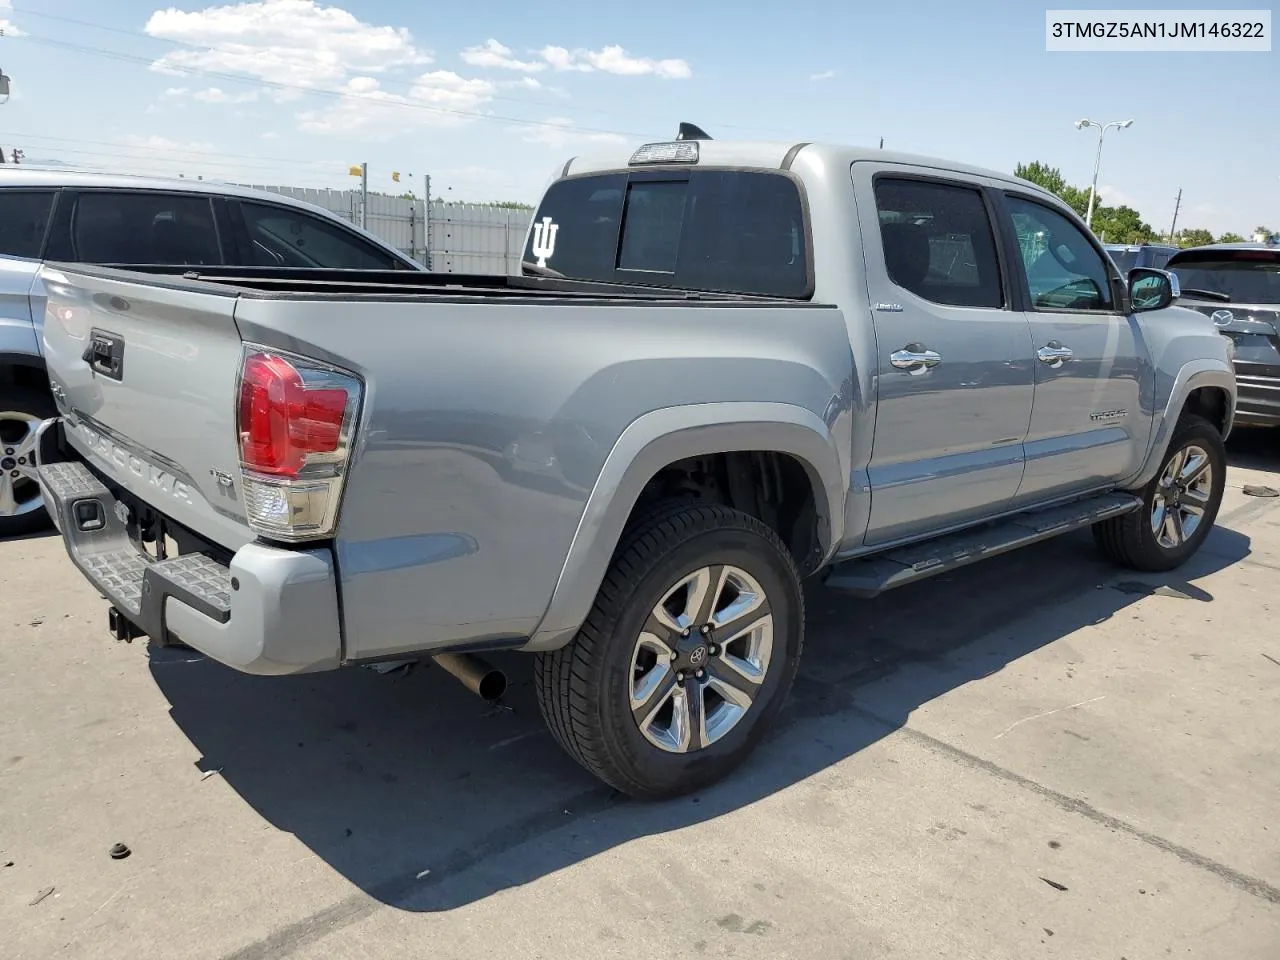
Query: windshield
pixel 1126 260
pixel 715 230
pixel 1246 277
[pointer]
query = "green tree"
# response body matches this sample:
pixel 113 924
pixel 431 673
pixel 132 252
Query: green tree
pixel 1042 175
pixel 1077 200
pixel 1265 231
pixel 1231 238
pixel 1121 225
pixel 511 205
pixel 1194 238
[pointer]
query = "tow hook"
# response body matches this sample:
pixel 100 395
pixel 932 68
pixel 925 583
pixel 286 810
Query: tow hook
pixel 121 627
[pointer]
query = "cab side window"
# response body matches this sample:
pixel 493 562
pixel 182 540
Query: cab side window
pixel 938 242
pixel 1063 270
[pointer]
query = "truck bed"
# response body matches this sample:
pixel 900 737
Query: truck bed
pixel 489 407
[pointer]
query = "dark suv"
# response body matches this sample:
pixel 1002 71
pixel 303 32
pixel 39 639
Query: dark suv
pixel 1128 256
pixel 1238 286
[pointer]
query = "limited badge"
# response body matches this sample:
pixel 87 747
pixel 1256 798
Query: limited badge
pixel 544 240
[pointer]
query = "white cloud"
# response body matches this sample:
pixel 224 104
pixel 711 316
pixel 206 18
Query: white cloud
pixel 159 144
pixel 824 75
pixel 613 59
pixel 444 88
pixel 493 54
pixel 269 135
pixel 293 42
pixel 174 92
pixel 1114 197
pixel 524 83
pixel 7 26
pixel 366 108
pixel 559 132
pixel 217 95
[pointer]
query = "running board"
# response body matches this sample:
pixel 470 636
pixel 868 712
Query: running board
pixel 874 575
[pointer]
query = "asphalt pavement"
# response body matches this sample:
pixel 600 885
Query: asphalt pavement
pixel 1041 755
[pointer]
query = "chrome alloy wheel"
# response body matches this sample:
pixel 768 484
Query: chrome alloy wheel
pixel 701 658
pixel 1181 497
pixel 19 491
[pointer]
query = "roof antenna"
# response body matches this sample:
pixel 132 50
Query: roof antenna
pixel 690 131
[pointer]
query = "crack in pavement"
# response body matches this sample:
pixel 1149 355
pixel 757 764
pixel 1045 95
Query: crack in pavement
pixel 1242 881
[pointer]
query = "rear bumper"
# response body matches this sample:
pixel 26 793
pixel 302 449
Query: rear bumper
pixel 1257 400
pixel 269 611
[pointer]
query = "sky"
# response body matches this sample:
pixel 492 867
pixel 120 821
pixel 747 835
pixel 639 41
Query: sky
pixel 490 98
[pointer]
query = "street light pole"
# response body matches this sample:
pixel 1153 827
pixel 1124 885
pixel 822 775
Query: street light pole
pixel 1097 160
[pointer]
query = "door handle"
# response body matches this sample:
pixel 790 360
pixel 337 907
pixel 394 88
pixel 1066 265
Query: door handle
pixel 1054 354
pixel 914 359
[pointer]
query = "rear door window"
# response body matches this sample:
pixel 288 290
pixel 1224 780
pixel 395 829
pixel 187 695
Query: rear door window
pixel 715 230
pixel 938 242
pixel 24 217
pixel 135 227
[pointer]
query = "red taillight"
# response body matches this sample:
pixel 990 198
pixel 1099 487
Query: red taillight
pixel 282 422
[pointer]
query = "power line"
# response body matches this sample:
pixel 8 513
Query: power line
pixel 398 84
pixel 226 169
pixel 212 154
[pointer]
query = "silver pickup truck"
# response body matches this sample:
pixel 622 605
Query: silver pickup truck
pixel 729 366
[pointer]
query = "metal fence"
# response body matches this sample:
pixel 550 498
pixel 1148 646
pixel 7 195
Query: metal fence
pixel 448 238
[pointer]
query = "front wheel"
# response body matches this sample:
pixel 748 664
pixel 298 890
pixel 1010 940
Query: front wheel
pixel 1179 505
pixel 686 657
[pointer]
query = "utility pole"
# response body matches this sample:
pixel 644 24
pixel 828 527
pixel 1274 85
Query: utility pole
pixel 1173 227
pixel 364 195
pixel 882 143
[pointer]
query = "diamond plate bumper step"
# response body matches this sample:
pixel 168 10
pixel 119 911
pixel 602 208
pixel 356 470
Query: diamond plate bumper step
pixel 98 542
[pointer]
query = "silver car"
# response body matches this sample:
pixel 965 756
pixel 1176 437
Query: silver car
pixel 124 220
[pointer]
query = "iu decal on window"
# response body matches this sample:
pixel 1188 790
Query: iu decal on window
pixel 544 240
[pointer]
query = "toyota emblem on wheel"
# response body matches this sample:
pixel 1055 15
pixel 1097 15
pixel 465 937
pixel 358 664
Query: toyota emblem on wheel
pixel 697 655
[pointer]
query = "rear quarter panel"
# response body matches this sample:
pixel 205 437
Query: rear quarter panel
pixel 486 425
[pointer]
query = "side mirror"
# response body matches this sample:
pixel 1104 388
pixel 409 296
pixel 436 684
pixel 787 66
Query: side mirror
pixel 1151 289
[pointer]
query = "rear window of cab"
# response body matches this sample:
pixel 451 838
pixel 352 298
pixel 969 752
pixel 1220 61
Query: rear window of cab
pixel 728 231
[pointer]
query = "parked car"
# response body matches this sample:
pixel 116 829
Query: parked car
pixel 732 366
pixel 94 218
pixel 1238 286
pixel 1128 256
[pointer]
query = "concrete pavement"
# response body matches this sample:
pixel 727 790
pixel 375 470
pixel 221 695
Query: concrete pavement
pixel 1039 755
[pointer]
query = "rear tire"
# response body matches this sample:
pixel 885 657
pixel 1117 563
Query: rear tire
pixel 655 713
pixel 21 504
pixel 1179 505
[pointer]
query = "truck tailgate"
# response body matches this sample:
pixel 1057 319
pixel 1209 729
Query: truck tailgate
pixel 145 377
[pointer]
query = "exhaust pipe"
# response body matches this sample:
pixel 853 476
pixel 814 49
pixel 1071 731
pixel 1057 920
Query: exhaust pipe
pixel 478 676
